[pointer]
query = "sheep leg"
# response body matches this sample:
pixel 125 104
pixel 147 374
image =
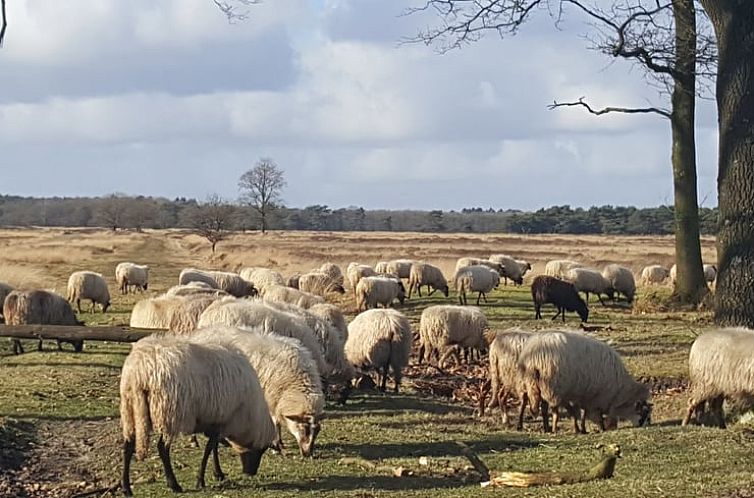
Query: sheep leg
pixel 690 411
pixel 555 418
pixel 716 408
pixel 574 412
pixel 129 448
pixel 502 399
pixel 543 406
pixel 209 448
pixel 583 422
pixel 94 307
pixel 383 381
pixel 164 451
pixel 410 289
pixel 524 402
pixel 478 297
pixel 421 354
pixel 537 312
pixel 218 471
pixel 60 345
pixel 396 378
pixel 78 304
pixel 557 314
pixel 18 348
pixel 39 345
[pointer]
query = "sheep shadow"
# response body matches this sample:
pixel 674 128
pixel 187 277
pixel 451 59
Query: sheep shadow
pixel 392 403
pixel 59 364
pixel 354 483
pixel 16 440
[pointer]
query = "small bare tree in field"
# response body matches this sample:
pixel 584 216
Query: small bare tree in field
pixel 261 186
pixel 213 219
pixel 112 211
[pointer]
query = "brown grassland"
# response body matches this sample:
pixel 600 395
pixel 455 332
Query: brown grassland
pixel 59 433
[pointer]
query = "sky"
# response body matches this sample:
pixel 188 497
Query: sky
pixel 168 99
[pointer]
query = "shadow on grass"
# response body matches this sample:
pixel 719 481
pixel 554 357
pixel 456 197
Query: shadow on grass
pixel 58 364
pixel 57 418
pixel 391 403
pixel 16 438
pixel 353 483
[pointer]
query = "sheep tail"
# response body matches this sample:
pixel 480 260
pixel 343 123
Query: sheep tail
pixel 142 422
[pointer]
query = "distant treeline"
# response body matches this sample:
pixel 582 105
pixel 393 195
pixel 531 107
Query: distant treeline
pixel 123 212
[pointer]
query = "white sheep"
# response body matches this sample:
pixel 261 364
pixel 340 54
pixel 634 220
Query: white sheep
pixel 710 273
pixel 443 326
pixel 357 271
pixel 654 274
pixel 288 375
pixel 380 339
pixel 262 277
pixel 476 278
pixel 333 271
pixel 399 267
pixel 319 284
pixel 232 283
pixel 195 289
pixel 511 269
pixel 129 274
pixel 279 293
pixel 468 261
pixel 88 285
pixel 588 280
pixel 374 291
pixel 559 267
pixel 621 280
pixel 505 378
pixel 334 316
pixel 429 275
pixel 721 366
pixel 5 289
pixel 381 267
pixel 172 386
pixel 155 313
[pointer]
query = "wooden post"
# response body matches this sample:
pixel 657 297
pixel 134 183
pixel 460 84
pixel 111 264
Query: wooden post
pixel 113 334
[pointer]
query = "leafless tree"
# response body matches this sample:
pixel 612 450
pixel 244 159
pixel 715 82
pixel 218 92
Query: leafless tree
pixel 261 187
pixel 213 219
pixel 4 24
pixel 111 211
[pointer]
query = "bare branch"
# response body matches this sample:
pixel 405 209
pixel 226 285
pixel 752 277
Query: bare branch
pixel 607 110
pixel 232 12
pixel 4 25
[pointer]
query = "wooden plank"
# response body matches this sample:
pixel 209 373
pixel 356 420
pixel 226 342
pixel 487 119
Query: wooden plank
pixel 114 334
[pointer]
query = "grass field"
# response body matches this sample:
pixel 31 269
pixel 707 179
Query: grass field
pixel 59 432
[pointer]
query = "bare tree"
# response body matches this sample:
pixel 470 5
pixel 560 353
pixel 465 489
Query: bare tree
pixel 111 211
pixel 261 187
pixel 4 24
pixel 141 212
pixel 213 219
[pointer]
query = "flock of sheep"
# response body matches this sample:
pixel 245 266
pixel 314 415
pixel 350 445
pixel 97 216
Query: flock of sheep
pixel 246 355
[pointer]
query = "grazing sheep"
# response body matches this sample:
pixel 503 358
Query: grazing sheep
pixel 172 386
pixel 476 278
pixel 5 289
pixel 524 265
pixel 380 339
pixel 88 285
pixel 195 289
pixel 441 327
pixel 374 291
pixel 654 274
pixel 721 366
pixel 278 293
pixel 261 278
pixel 292 281
pixel 334 316
pixel 572 370
pixel 253 313
pixel 232 283
pixel 155 313
pixel 184 316
pixel 505 378
pixel 319 284
pixel 333 271
pixel 546 289
pixel 559 267
pixel 130 274
pixel 465 262
pixel 429 275
pixel 381 267
pixel 399 267
pixel 288 376
pixel 621 280
pixel 39 307
pixel 710 273
pixel 587 280
pixel 356 272
pixel 511 269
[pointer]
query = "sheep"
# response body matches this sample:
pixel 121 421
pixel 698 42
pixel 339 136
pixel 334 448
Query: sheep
pixel 195 289
pixel 654 274
pixel 587 280
pixel 155 313
pixel 574 371
pixel 173 386
pixel 278 293
pixel 381 267
pixel 399 267
pixel 621 280
pixel 380 339
pixel 429 275
pixel 446 325
pixel 476 278
pixel 88 285
pixel 558 267
pixel 232 283
pixel 184 317
pixel 374 291
pixel 130 274
pixel 333 315
pixel 356 272
pixel 546 289
pixel 253 313
pixel 505 378
pixel 261 278
pixel 292 281
pixel 720 366
pixel 464 262
pixel 709 271
pixel 319 284
pixel 5 289
pixel 288 376
pixel 524 265
pixel 511 269
pixel 39 307
pixel 333 271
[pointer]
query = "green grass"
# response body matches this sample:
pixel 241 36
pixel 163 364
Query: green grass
pixel 396 430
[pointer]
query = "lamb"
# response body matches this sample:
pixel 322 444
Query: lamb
pixel 587 280
pixel 374 291
pixel 380 339
pixel 333 271
pixel 505 378
pixel 511 269
pixel 356 272
pixel 546 289
pixel 429 275
pixel 465 262
pixel 558 267
pixel 476 278
pixel 571 370
pixel 232 283
pixel 621 280
pixel 88 285
pixel 173 386
pixel 277 293
pixel 288 376
pixel 654 274
pixel 195 289
pixel 333 316
pixel 720 366
pixel 39 307
pixel 319 284
pixel 399 267
pixel 441 327
pixel 261 278
pixel 130 274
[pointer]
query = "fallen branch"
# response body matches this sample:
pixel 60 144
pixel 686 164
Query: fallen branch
pixel 476 462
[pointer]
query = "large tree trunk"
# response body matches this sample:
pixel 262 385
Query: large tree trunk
pixel 733 21
pixel 690 286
